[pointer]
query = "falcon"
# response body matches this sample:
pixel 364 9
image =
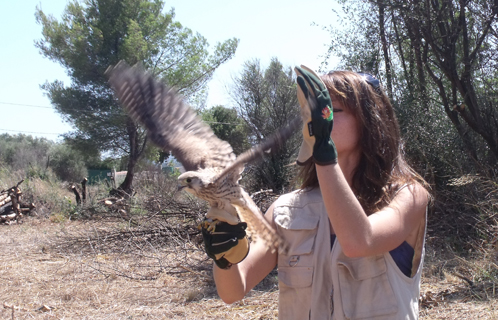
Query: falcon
pixel 212 169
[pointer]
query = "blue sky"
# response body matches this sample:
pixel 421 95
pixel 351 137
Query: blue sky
pixel 266 29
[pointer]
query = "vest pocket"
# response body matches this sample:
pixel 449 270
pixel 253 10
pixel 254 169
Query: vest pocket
pixel 365 288
pixel 295 269
pixel 298 229
pixel 296 277
pixel 295 292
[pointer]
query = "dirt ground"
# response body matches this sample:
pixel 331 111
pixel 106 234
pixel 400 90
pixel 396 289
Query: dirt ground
pixel 42 278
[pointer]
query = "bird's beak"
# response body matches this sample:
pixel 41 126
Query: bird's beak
pixel 180 187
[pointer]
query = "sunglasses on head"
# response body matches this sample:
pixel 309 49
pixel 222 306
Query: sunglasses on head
pixel 370 79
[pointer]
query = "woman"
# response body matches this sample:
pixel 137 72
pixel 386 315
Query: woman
pixel 356 226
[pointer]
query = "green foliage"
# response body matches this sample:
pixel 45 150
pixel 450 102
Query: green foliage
pixel 441 80
pixel 67 163
pixel 47 160
pixel 228 126
pixel 68 210
pixel 92 35
pixel 437 60
pixel 355 42
pixel 266 100
pixel 171 169
pixel 20 152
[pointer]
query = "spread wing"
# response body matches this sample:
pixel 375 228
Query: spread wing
pixel 171 124
pixel 273 143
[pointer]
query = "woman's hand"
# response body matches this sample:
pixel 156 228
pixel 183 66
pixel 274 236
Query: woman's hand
pixel 226 244
pixel 318 119
pixel 234 283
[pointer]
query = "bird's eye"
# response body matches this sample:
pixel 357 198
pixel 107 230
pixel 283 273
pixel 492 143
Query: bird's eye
pixel 189 180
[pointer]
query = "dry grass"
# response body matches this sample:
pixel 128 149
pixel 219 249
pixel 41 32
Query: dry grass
pixel 150 266
pixel 88 285
pixel 42 266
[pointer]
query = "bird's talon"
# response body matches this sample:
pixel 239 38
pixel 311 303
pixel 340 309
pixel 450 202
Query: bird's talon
pixel 209 225
pixel 212 225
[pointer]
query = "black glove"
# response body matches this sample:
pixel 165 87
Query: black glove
pixel 226 244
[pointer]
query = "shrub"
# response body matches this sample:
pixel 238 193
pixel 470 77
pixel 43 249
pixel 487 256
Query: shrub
pixel 67 163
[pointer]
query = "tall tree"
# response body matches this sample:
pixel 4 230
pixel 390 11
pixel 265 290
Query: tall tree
pixel 438 61
pixel 266 99
pixel 94 34
pixel 455 35
pixel 21 152
pixel 228 126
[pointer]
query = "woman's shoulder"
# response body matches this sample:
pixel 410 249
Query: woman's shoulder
pixel 414 190
pixel 412 198
pixel 299 197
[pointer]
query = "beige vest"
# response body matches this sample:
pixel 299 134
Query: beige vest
pixel 316 282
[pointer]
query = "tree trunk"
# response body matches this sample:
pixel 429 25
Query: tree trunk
pixel 83 189
pixel 136 151
pixel 76 194
pixel 385 49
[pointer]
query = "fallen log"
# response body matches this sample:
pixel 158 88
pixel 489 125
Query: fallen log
pixel 11 205
pixel 25 205
pixel 4 196
pixel 6 208
pixel 5 200
pixel 9 217
pixel 109 199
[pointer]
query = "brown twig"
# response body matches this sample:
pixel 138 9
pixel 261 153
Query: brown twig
pixel 470 282
pixel 193 271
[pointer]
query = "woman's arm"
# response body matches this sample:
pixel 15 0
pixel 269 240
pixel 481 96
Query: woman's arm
pixel 361 235
pixel 233 284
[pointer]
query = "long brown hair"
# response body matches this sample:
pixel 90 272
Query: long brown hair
pixel 382 169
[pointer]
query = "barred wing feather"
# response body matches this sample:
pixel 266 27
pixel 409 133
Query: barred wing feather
pixel 171 124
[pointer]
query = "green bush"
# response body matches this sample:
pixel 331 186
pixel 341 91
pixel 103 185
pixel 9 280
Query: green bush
pixel 67 163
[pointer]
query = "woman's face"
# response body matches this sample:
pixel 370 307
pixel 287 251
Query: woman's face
pixel 345 132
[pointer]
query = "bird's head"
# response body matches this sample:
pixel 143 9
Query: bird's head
pixel 191 181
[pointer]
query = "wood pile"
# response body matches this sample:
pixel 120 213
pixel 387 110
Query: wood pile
pixel 115 204
pixel 12 208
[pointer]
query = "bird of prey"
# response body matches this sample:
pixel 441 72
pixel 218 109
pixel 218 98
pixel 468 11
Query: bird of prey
pixel 212 169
